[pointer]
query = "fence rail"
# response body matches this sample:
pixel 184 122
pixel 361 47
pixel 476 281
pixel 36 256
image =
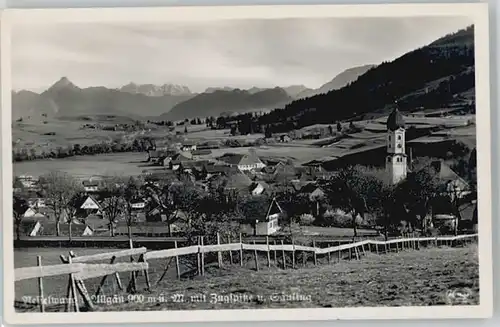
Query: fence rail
pixel 80 268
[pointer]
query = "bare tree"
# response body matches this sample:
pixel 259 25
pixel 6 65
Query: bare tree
pixel 114 203
pixel 59 189
pixel 132 194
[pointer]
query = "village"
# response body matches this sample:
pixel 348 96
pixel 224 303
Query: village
pixel 186 189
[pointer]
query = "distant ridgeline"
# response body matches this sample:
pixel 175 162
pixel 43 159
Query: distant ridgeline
pixel 437 75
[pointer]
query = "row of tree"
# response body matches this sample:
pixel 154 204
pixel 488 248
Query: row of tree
pixel 139 144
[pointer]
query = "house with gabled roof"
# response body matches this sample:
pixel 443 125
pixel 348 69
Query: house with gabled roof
pixel 28 227
pixel 86 206
pixel 91 185
pixel 188 145
pixel 258 187
pixel 244 162
pixel 265 224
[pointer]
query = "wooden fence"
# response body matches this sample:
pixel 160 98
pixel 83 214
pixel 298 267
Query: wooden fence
pixel 79 269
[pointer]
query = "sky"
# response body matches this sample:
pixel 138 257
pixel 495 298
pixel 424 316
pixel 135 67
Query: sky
pixel 238 53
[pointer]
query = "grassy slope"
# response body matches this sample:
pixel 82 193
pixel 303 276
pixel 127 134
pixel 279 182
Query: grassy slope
pixel 407 278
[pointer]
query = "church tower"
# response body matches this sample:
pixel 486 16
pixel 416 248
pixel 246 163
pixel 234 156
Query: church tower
pixel 395 164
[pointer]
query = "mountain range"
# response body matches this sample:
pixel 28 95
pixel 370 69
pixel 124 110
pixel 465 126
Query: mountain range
pixel 168 101
pixel 434 76
pixel 155 90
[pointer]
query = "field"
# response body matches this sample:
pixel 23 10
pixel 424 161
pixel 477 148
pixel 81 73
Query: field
pixel 126 164
pixel 133 163
pixel 428 277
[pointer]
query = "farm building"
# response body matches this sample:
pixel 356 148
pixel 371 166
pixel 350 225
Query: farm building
pixel 188 146
pixel 453 184
pixel 267 224
pixel 258 187
pixel 27 181
pixel 91 185
pixel 244 162
pixel 28 227
pixel 32 213
pixel 37 202
pixel 156 157
pixel 86 206
pixel 175 161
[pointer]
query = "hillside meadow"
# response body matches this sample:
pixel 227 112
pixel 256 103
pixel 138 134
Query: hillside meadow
pixel 430 277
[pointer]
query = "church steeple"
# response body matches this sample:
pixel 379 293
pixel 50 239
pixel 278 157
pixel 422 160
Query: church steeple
pixel 396 165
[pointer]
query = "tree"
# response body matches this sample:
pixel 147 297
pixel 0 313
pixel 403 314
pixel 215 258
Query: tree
pixel 113 204
pixel 20 205
pixel 254 209
pixel 185 129
pixel 354 190
pixel 339 127
pixel 133 193
pixel 330 129
pixel 60 189
pixel 416 193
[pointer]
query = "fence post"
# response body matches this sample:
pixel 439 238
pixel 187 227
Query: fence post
pixel 202 255
pixel 230 252
pixel 256 258
pixel 293 254
pixel 164 271
pixel 219 254
pixel 376 248
pixel 199 256
pixel 275 254
pixel 315 255
pixel 304 258
pixel 363 248
pixel 74 296
pixel 356 252
pixel 177 267
pixel 283 253
pixel 146 272
pixel 103 280
pixel 241 251
pixel 268 253
pixel 80 286
pixel 40 285
pixel 329 254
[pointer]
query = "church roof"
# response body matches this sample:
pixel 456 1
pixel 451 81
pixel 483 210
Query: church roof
pixel 395 120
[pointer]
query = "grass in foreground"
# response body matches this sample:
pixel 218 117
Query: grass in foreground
pixel 412 278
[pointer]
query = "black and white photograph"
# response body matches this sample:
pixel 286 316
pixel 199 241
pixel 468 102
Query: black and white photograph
pixel 321 161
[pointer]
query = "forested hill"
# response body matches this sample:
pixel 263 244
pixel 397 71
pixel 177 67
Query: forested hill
pixel 431 76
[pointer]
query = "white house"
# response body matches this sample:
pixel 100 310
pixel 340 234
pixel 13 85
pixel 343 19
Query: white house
pixel 188 146
pixel 28 181
pixel 91 185
pixel 268 225
pixel 257 188
pixel 244 162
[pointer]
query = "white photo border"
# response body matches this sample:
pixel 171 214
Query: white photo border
pixel 478 12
